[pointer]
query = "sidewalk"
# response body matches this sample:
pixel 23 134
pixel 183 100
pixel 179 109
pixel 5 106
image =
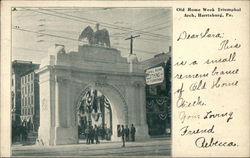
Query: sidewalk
pixel 155 138
pixel 153 147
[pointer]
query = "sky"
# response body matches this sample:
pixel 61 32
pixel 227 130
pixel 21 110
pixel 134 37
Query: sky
pixel 34 30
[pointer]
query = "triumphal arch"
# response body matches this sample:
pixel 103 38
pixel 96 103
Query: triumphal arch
pixel 65 77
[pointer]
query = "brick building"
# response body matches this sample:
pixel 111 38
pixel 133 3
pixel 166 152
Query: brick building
pixel 18 68
pixel 30 98
pixel 158 93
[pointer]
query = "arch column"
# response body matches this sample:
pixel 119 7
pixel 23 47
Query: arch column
pixel 142 129
pixel 137 109
pixel 65 133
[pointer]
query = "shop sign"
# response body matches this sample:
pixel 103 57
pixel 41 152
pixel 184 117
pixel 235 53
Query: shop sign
pixel 154 75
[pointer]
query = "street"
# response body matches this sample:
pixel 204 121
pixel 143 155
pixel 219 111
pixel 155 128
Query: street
pixel 151 147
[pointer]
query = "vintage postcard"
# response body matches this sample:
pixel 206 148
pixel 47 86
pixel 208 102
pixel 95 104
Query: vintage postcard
pixel 125 78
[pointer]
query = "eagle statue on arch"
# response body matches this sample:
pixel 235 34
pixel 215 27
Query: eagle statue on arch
pixel 100 37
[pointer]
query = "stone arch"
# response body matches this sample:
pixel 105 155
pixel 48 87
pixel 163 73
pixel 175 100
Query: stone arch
pixel 63 79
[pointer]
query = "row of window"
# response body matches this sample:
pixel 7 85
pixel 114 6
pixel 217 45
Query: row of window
pixel 29 100
pixel 27 78
pixel 27 111
pixel 27 89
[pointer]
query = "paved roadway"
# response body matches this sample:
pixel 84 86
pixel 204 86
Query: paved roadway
pixel 151 147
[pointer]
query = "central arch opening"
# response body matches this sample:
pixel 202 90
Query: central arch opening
pixel 97 117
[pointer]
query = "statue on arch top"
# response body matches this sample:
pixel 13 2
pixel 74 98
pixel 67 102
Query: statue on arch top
pixel 100 37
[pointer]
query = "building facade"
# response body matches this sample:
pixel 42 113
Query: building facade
pixel 158 93
pixel 30 99
pixel 18 68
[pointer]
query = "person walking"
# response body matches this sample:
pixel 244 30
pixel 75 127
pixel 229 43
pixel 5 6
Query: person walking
pixel 133 131
pixel 96 132
pixel 123 136
pixel 87 135
pixel 24 132
pixel 127 133
pixel 92 134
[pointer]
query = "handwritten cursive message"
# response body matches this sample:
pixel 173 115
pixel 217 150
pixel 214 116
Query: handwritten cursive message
pixel 197 83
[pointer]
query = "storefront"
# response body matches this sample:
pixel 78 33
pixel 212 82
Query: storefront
pixel 158 95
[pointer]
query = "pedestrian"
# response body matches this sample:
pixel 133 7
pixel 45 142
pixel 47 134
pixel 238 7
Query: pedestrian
pixel 87 135
pixel 24 133
pixel 103 133
pixel 127 133
pixel 96 132
pixel 123 136
pixel 108 134
pixel 133 131
pixel 92 133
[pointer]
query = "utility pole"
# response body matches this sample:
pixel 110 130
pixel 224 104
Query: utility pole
pixel 131 42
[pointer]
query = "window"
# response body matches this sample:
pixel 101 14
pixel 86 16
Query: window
pixel 28 77
pixel 31 99
pixel 32 76
pixel 22 102
pixel 25 100
pixel 12 82
pixel 32 87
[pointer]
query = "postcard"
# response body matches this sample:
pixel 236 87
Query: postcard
pixel 125 78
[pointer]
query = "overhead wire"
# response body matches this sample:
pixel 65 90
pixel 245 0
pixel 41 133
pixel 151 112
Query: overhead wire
pixel 149 18
pixel 75 39
pixel 108 24
pixel 111 35
pixel 115 36
pixel 72 39
pixel 94 22
pixel 148 27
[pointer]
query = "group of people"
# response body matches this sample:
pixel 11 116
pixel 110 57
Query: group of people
pixel 20 131
pixel 126 132
pixel 92 134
